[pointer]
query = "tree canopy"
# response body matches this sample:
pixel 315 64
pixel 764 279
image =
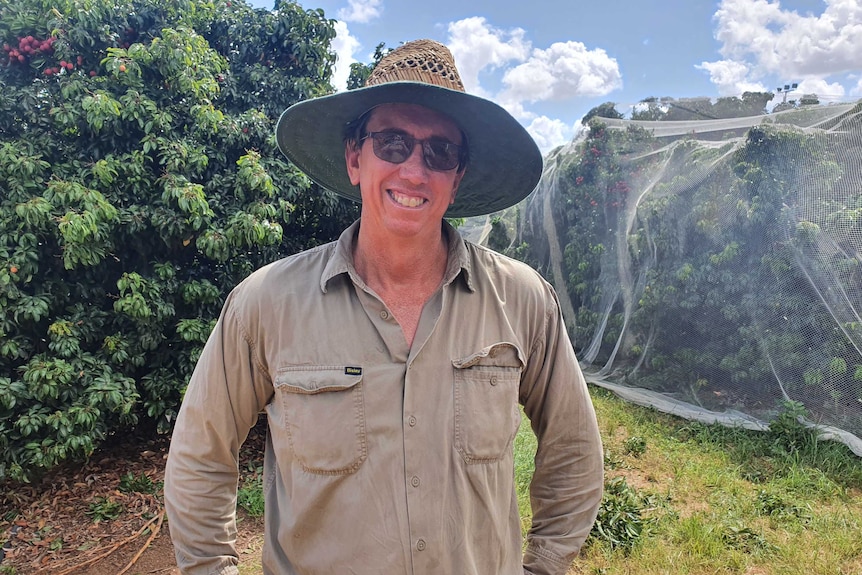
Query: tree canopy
pixel 139 182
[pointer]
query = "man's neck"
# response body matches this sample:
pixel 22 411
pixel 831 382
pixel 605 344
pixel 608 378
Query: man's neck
pixel 401 263
pixel 404 274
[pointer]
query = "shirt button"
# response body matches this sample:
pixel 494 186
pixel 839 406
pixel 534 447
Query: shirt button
pixel 493 380
pixel 420 545
pixel 411 421
pixel 384 314
pixel 415 481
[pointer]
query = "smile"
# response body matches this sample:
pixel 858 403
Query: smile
pixel 406 201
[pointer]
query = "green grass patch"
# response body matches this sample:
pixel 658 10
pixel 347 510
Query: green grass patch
pixel 726 500
pixel 249 495
pixel 525 453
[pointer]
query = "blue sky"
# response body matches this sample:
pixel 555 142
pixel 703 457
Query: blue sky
pixel 550 61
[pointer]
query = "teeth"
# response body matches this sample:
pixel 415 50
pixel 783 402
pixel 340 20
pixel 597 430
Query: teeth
pixel 407 201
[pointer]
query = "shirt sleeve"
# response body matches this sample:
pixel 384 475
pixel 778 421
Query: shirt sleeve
pixel 226 392
pixel 567 484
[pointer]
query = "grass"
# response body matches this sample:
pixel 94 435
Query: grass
pixel 725 500
pixel 685 498
pixel 249 495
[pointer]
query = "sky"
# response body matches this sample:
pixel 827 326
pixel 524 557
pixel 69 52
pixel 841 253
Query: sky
pixel 549 62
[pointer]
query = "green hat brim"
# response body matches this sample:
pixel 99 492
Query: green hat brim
pixel 504 165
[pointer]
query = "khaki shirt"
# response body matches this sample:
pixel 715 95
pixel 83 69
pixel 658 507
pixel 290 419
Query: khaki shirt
pixel 384 458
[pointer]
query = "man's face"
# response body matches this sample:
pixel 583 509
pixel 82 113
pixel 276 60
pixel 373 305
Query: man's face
pixel 406 198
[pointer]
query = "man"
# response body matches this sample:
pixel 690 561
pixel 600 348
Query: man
pixel 391 363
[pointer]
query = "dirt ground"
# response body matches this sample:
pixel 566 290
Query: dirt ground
pixel 85 519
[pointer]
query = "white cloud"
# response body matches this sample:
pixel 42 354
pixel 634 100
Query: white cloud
pixel 826 91
pixel 731 77
pixel 360 11
pixel 563 71
pixel 517 110
pixel 773 42
pixel 345 46
pixel 856 91
pixel 476 45
pixel 550 133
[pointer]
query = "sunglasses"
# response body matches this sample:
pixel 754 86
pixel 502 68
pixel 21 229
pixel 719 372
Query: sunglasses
pixel 395 148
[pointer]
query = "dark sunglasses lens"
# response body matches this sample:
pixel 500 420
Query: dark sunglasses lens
pixel 440 155
pixel 392 147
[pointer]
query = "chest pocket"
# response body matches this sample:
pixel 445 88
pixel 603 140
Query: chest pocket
pixel 324 418
pixel 487 415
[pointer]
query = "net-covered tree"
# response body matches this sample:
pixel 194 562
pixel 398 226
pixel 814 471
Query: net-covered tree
pixel 688 109
pixel 725 274
pixel 606 110
pixel 139 182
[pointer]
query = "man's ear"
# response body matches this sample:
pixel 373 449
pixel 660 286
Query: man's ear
pixel 351 158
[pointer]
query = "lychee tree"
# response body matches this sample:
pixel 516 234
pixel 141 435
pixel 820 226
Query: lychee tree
pixel 139 182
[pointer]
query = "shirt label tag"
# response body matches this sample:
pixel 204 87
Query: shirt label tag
pixel 352 371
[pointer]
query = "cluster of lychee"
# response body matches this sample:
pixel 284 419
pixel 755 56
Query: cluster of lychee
pixel 28 46
pixel 64 65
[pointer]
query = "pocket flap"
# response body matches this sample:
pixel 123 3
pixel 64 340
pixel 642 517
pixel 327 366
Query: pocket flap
pixel 503 354
pixel 310 381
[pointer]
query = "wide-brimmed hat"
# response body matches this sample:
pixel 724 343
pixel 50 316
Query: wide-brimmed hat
pixel 504 162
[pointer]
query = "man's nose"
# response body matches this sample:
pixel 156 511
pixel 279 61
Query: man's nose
pixel 414 167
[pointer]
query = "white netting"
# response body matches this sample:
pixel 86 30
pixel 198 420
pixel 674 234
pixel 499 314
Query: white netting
pixel 713 268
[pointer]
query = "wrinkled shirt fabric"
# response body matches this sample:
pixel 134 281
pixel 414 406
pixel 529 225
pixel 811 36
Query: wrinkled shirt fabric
pixel 380 457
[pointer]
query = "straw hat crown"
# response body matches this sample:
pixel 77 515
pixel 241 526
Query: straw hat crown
pixel 418 61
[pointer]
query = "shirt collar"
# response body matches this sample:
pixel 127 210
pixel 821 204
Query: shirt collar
pixel 341 260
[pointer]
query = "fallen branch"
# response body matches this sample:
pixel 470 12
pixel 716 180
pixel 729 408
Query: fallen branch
pixel 152 536
pixel 112 548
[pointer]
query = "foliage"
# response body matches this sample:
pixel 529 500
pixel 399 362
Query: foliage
pixel 606 110
pixel 250 495
pixel 250 490
pixel 622 520
pixel 139 182
pixel 635 446
pixel 141 483
pixel 359 72
pixel 775 505
pixel 104 508
pixel 788 428
pixel 746 539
